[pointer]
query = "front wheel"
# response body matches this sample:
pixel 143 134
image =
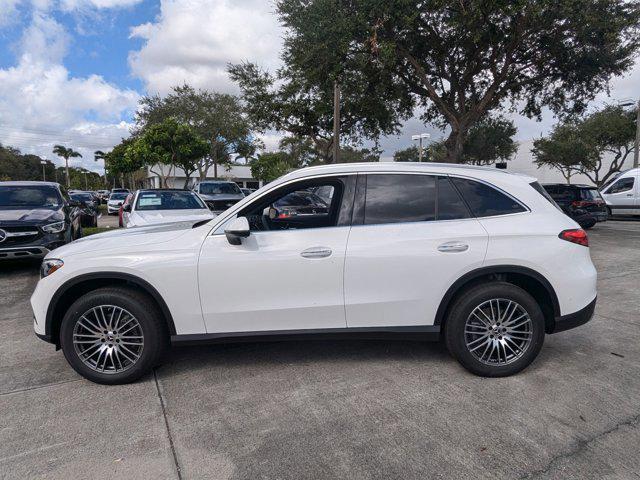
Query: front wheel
pixel 495 329
pixel 113 335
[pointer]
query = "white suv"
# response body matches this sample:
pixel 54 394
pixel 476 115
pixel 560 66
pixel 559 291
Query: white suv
pixel 477 256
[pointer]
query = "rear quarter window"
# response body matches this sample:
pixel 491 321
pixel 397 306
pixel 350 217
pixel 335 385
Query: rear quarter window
pixel 484 200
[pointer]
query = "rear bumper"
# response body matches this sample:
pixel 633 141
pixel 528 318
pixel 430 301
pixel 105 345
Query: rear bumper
pixel 573 320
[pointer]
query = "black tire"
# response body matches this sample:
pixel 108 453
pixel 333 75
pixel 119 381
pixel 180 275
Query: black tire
pixel 456 326
pixel 151 323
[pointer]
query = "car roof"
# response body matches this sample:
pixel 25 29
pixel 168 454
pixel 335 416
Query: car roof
pixel 215 181
pixel 15 183
pixel 485 173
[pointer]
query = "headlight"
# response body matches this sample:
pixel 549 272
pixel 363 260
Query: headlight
pixel 55 227
pixel 50 265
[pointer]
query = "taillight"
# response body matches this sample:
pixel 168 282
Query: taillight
pixel 582 203
pixel 575 235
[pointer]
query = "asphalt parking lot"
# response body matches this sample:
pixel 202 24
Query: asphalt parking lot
pixel 342 409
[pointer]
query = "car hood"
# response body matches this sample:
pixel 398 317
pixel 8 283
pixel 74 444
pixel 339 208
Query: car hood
pixel 154 217
pixel 31 216
pixel 123 239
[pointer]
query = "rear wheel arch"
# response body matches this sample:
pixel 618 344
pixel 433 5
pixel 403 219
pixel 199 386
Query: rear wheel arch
pixel 73 289
pixel 528 279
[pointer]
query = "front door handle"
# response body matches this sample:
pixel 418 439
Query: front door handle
pixel 629 194
pixel 316 252
pixel 453 247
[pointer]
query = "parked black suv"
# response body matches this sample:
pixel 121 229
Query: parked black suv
pixel 583 203
pixel 36 217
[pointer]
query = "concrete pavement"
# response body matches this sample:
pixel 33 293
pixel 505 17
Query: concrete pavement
pixel 350 409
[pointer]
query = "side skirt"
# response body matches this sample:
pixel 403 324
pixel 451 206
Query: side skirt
pixel 417 333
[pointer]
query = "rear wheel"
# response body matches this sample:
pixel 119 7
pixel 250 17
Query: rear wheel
pixel 495 330
pixel 113 335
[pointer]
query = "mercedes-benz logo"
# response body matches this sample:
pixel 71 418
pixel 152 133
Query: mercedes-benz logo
pixel 3 235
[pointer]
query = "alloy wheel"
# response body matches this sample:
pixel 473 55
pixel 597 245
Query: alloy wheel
pixel 498 332
pixel 108 339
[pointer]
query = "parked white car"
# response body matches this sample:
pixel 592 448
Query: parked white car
pixel 150 207
pixel 115 201
pixel 477 256
pixel 622 194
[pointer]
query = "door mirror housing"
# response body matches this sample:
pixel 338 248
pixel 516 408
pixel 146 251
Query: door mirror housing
pixel 237 230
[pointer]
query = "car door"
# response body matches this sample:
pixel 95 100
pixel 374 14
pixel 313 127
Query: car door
pixel 288 273
pixel 622 195
pixel 412 237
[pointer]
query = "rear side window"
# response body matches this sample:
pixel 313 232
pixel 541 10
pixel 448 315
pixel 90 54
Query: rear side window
pixel 589 194
pixel 400 198
pixel 450 205
pixel 486 201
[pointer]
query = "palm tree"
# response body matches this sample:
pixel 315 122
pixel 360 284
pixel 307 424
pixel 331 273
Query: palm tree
pixel 100 155
pixel 66 153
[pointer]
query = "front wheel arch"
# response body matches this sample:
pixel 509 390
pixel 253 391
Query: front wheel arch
pixel 529 280
pixel 76 287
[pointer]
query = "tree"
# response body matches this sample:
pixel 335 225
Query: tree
pixel 411 154
pixel 462 60
pixel 489 141
pixel 218 118
pixel 271 165
pixel 611 133
pixel 66 153
pixel 171 144
pixel 596 145
pixel 14 165
pixel 564 149
pixel 288 102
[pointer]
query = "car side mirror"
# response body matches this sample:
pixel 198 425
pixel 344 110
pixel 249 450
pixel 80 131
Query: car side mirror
pixel 237 230
pixel 126 208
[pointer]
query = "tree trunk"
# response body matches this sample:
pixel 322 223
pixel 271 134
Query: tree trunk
pixel 66 167
pixel 454 145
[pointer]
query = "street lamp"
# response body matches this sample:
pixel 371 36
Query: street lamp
pixel 43 163
pixel 420 138
pixel 636 145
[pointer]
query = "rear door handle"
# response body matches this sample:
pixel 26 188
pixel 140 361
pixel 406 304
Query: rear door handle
pixel 316 252
pixel 451 247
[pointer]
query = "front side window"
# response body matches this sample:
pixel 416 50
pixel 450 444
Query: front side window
pixel 296 207
pixel 29 196
pixel 168 201
pixel 486 201
pixel 622 185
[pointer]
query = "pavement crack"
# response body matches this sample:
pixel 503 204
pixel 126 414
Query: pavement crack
pixel 37 387
pixel 166 424
pixel 580 446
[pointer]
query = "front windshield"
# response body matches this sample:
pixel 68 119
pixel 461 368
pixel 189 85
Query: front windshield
pixel 168 201
pixel 118 196
pixel 220 188
pixel 612 179
pixel 29 196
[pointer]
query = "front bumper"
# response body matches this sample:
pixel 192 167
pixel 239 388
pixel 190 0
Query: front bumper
pixel 37 248
pixel 573 320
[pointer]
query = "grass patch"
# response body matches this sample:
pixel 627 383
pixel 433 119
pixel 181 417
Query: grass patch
pixel 86 231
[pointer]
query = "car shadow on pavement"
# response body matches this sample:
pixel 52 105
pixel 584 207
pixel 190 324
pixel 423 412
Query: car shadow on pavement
pixel 302 352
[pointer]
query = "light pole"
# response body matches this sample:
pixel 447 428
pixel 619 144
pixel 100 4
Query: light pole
pixel 43 163
pixel 86 185
pixel 420 138
pixel 636 143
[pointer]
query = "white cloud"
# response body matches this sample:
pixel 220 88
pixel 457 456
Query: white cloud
pixel 69 5
pixel 8 10
pixel 193 40
pixel 43 105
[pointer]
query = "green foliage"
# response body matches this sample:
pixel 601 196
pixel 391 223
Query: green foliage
pixel 271 165
pixel 490 141
pixel 218 118
pixel 596 145
pixel 168 143
pixel 411 154
pixel 458 61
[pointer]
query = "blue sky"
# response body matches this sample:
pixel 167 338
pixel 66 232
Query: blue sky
pixel 72 71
